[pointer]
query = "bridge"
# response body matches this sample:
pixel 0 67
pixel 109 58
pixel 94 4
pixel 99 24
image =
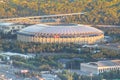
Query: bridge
pixel 36 19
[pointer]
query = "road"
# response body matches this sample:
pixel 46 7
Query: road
pixel 8 72
pixel 108 26
pixel 111 46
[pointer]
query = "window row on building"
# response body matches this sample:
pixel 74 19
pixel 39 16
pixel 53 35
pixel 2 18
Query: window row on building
pixel 87 40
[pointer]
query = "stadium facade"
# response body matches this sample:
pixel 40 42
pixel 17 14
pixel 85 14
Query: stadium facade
pixel 61 33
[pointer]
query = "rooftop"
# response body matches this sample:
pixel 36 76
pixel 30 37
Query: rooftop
pixel 5 24
pixel 106 63
pixel 68 60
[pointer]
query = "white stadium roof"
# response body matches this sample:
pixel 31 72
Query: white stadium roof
pixel 34 28
pixel 60 29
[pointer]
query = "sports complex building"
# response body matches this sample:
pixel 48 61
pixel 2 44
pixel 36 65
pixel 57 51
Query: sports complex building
pixel 61 33
pixel 101 66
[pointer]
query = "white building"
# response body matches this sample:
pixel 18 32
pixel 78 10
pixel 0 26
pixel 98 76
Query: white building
pixel 100 66
pixel 10 27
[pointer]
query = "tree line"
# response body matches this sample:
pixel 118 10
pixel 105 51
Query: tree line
pixel 97 11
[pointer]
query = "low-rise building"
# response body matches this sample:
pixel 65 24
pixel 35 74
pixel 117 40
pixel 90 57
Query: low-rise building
pixel 10 27
pixel 100 66
pixel 65 61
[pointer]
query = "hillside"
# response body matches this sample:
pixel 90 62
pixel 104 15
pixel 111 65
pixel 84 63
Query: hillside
pixel 97 11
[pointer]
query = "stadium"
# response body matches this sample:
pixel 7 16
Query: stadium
pixel 61 33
